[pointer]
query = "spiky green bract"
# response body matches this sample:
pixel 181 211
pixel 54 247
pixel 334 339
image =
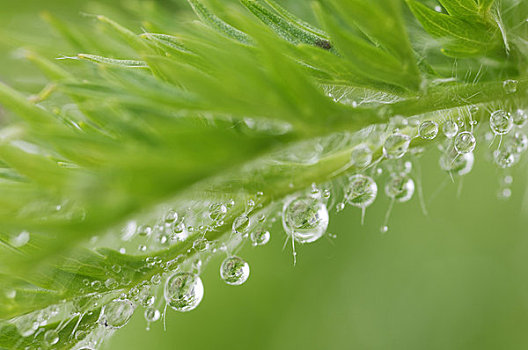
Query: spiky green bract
pixel 132 120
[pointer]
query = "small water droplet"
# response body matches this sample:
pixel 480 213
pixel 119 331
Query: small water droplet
pixel 361 191
pixel 260 238
pixel 459 164
pixel 51 337
pixel 361 156
pixel 234 271
pixel 400 188
pixel 501 122
pixel 510 86
pixel 465 142
pixel 152 314
pixel 450 129
pixel 505 158
pixel 183 291
pixel 117 313
pixel 241 224
pixel 520 117
pixel 396 145
pixel 428 130
pixel 20 240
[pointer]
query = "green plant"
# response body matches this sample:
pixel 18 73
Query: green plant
pixel 188 144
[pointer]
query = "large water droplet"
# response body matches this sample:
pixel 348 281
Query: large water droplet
pixel 400 188
pixel 450 129
pixel 117 313
pixel 361 156
pixel 501 122
pixel 183 291
pixel 428 130
pixel 465 142
pixel 396 145
pixel 305 219
pixel 361 191
pixel 20 240
pixel 518 142
pixel 234 271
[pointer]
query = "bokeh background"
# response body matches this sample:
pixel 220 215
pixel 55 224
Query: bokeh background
pixel 456 278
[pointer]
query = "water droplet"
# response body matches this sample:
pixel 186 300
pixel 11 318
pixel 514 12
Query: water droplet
pixel 517 143
pixel 234 271
pixel 117 313
pixel 398 122
pixel 183 291
pixel 152 314
pixel 26 325
pixel 201 245
pixel 465 142
pixel 170 217
pixel 361 156
pixel 520 117
pixel 51 337
pixel 400 188
pixel 459 164
pixel 217 211
pixel 361 191
pixel 505 158
pixel 241 224
pixel 20 240
pixel 428 130
pixel 340 207
pixel 396 145
pixel 142 248
pixel 510 86
pixel 501 122
pixel 144 230
pixel 504 193
pixel 111 283
pixel 305 219
pixel 384 229
pixel 260 237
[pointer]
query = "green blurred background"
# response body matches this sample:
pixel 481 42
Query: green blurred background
pixel 455 279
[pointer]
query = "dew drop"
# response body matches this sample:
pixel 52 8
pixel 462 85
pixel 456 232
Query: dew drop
pixel 361 156
pixel 520 117
pixel 234 271
pixel 51 337
pixel 183 291
pixel 305 219
pixel 400 188
pixel 501 122
pixel 518 142
pixel 428 130
pixel 510 86
pixel 505 158
pixel 217 211
pixel 259 238
pixel 396 145
pixel 361 191
pixel 170 217
pixel 465 142
pixel 20 240
pixel 201 245
pixel 459 164
pixel 241 224
pixel 117 313
pixel 152 314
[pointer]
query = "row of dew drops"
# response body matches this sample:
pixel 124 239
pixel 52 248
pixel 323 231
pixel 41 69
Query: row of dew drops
pixel 304 217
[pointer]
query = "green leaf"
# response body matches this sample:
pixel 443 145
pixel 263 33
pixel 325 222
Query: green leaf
pixel 459 38
pixel 215 22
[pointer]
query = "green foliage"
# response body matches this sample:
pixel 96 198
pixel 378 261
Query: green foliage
pixel 128 122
